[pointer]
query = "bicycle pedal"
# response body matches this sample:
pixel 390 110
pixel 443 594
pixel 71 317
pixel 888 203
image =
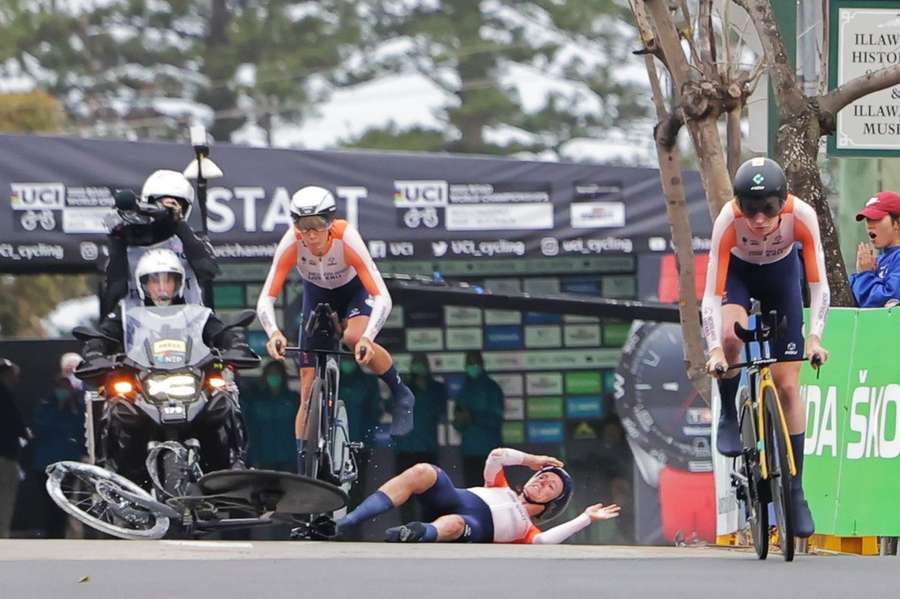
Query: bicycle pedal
pixel 356 446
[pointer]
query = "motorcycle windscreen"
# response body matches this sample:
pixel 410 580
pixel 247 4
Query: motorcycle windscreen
pixel 167 337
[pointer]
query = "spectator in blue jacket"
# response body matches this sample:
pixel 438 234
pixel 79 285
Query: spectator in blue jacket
pixel 478 416
pixel 877 282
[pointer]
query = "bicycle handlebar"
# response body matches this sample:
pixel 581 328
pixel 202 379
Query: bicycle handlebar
pixel 327 352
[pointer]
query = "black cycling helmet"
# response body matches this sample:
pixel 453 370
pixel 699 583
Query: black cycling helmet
pixel 760 186
pixel 558 504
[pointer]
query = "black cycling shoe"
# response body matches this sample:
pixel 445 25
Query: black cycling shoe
pixel 402 415
pixel 413 532
pixel 728 437
pixel 804 526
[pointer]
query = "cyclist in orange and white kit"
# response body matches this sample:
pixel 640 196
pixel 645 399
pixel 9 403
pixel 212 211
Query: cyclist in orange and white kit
pixel 494 513
pixel 753 255
pixel 336 268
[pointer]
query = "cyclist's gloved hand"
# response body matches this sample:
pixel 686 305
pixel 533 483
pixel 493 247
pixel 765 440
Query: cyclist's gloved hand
pixel 815 350
pixel 717 365
pixel 364 351
pixel 275 345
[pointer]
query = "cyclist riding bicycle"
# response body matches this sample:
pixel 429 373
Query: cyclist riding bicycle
pixel 753 255
pixel 493 513
pixel 336 269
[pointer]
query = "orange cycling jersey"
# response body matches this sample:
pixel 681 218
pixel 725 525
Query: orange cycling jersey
pixel 345 259
pixel 732 236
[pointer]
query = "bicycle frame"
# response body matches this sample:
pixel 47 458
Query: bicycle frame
pixel 759 376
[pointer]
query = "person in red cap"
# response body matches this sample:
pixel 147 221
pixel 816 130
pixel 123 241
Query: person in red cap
pixel 877 282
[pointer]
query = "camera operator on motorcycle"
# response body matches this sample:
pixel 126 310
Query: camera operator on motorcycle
pixel 169 196
pixel 160 280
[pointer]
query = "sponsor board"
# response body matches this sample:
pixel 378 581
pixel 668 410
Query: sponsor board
pixel 506 285
pixel 459 316
pixel 503 336
pixel 528 217
pixel 560 359
pixel 425 339
pixel 623 287
pixel 447 362
pixel 585 406
pixel 575 318
pixel 542 318
pixel 582 286
pixel 500 317
pixel 544 383
pixel 424 316
pixel 582 430
pixel 615 334
pixel 513 433
pixel 463 337
pixel 27 252
pixel 416 193
pixel 582 335
pixel 479 248
pixel 543 336
pixel 545 407
pixel 597 215
pixel 511 384
pixel 513 408
pixel 545 431
pixel 584 382
pixel 85 220
pixel 542 285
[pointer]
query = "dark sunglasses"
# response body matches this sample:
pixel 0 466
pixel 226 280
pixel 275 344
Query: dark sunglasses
pixel 770 206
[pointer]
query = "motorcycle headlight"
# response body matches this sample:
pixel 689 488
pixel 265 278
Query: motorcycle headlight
pixel 171 386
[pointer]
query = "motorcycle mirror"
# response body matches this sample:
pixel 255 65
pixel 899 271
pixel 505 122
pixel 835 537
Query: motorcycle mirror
pixel 86 334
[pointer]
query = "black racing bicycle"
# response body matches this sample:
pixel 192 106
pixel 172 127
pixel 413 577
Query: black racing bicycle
pixel 764 471
pixel 330 456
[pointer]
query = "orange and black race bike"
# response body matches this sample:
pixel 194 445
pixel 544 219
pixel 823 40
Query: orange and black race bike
pixel 763 473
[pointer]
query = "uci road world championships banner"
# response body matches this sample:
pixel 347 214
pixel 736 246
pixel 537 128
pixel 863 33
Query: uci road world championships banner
pixel 417 206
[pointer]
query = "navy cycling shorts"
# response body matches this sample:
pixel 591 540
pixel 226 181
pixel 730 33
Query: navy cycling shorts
pixel 347 301
pixel 444 499
pixel 778 287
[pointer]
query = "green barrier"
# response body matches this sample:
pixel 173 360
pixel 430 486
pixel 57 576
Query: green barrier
pixel 852 471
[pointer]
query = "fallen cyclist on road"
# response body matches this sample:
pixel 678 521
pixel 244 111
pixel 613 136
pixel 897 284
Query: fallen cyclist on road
pixel 494 513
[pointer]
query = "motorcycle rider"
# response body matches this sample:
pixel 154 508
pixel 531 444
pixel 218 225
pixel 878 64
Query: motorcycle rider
pixel 131 235
pixel 160 280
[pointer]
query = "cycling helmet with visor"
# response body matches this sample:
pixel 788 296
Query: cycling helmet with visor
pixel 558 504
pixel 312 208
pixel 760 187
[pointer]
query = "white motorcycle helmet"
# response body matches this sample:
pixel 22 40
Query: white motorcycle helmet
pixel 159 265
pixel 313 201
pixel 169 184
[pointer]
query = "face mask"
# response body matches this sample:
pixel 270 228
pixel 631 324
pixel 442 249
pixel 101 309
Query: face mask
pixel 419 369
pixel 473 371
pixel 348 367
pixel 273 381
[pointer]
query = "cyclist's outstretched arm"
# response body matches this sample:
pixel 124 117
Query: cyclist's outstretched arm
pixel 807 232
pixel 560 533
pixel 284 260
pixel 724 238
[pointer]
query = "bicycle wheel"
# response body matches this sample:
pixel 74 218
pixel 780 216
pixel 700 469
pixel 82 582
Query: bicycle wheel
pixel 756 508
pixel 779 473
pixel 313 432
pixel 106 501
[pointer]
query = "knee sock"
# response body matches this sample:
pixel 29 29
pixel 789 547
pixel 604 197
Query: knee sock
pixel 727 393
pixel 392 379
pixel 797 443
pixel 373 505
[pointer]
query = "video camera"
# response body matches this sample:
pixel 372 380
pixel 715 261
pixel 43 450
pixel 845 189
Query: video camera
pixel 128 204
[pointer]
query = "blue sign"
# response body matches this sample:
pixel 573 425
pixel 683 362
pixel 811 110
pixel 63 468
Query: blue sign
pixel 582 286
pixel 542 318
pixel 545 431
pixel 454 383
pixel 503 336
pixel 584 406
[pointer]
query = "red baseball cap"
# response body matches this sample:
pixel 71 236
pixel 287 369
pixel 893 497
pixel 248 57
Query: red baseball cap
pixel 882 204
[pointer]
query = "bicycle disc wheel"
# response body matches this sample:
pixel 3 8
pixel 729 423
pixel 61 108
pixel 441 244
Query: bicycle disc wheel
pixel 779 474
pixel 106 501
pixel 756 509
pixel 313 432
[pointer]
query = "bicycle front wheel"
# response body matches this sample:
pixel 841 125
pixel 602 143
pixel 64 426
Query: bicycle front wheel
pixel 756 508
pixel 779 473
pixel 313 432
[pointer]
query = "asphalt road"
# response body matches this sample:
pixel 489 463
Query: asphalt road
pixel 270 569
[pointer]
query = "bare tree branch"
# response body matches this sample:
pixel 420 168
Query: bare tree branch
pixel 853 90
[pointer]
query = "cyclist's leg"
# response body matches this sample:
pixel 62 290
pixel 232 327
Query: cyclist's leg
pixel 357 315
pixel 312 295
pixel 787 300
pixel 418 480
pixel 734 310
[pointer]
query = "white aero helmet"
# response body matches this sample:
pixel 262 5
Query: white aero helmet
pixel 313 201
pixel 169 184
pixel 159 262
